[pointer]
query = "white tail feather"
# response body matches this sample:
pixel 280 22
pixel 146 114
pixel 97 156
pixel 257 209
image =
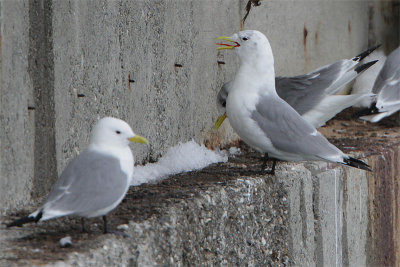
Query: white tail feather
pixel 330 106
pixel 339 84
pixel 374 117
pixel 365 81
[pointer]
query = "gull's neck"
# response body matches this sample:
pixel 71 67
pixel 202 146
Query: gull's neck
pixel 118 152
pixel 257 69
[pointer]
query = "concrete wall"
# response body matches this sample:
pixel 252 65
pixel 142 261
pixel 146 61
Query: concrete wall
pixel 17 133
pixel 383 24
pixel 65 64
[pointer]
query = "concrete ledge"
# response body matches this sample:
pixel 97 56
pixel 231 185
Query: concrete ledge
pixel 309 214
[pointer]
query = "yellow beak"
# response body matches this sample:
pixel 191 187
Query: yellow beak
pixel 219 121
pixel 138 139
pixel 226 46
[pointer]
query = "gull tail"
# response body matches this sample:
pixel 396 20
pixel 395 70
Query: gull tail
pixel 351 73
pixel 330 106
pixel 373 114
pixel 23 220
pixel 370 114
pixel 365 66
pixel 349 76
pixel 366 111
pixel 379 115
pixel 353 162
pixel 375 117
pixel 366 53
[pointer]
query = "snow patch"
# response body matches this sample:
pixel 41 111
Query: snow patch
pixel 233 151
pixel 184 157
pixel 65 242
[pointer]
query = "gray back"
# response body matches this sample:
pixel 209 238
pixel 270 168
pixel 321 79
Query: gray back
pixel 304 92
pixel 288 131
pixel 90 182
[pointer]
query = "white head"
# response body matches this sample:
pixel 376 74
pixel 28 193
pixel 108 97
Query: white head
pixel 252 47
pixel 114 132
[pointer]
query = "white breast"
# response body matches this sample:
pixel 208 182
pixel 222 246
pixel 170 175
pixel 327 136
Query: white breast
pixel 239 107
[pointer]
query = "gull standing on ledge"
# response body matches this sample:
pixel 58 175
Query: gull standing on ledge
pixel 96 181
pixel 262 119
pixel 313 95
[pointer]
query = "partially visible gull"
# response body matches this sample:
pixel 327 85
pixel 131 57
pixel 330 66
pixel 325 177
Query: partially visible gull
pixel 387 90
pixel 96 181
pixel 313 95
pixel 364 83
pixel 261 118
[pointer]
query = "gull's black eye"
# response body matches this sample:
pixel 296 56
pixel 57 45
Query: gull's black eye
pixel 245 38
pixel 117 132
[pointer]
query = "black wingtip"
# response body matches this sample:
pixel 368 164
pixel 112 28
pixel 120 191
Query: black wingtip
pixel 366 53
pixel 353 162
pixel 366 111
pixel 365 66
pixel 22 221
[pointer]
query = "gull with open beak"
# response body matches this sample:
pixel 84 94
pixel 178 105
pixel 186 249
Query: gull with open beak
pixel 261 118
pixel 313 95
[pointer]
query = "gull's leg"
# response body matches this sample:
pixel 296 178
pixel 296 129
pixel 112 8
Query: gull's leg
pixel 272 170
pixel 116 232
pixel 105 228
pixel 264 164
pixel 83 225
pixel 266 158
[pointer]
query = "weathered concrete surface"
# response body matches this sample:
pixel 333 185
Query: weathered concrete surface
pixel 385 211
pixel 310 34
pixel 384 24
pixel 17 120
pixel 41 73
pixel 151 63
pixel 382 242
pixel 215 221
pixel 313 214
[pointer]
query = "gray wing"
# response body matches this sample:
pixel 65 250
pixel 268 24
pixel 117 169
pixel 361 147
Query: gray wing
pixel 223 93
pixel 289 132
pixel 92 181
pixel 389 74
pixel 389 98
pixel 304 92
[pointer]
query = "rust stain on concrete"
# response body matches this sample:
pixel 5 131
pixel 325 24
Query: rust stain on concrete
pixel 316 36
pixel 305 34
pixel 349 27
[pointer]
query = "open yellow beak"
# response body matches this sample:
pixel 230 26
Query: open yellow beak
pixel 138 139
pixel 219 121
pixel 226 46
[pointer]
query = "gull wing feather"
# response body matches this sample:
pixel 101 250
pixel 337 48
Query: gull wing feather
pixel 91 182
